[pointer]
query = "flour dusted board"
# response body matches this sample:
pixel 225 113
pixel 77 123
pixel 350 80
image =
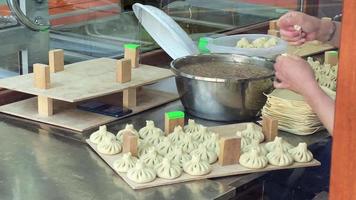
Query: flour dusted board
pixel 217 170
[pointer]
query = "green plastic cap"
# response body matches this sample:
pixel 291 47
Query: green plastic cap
pixel 131 46
pixel 203 42
pixel 175 115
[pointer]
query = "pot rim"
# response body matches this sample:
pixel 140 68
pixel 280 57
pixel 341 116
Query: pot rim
pixel 177 72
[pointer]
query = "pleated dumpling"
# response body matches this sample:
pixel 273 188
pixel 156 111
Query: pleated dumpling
pixel 197 166
pixel 259 42
pixel 179 156
pixel 301 153
pixel 100 134
pixel 205 154
pixel 243 43
pixel 253 132
pixel 244 140
pixel 109 146
pixel 253 159
pixel 270 42
pixel 213 143
pixel 151 158
pixel 141 173
pixel 165 146
pixel 149 129
pixel 278 141
pixel 188 144
pixel 125 163
pixel 154 138
pixel 177 136
pixel 279 157
pixel 143 147
pixel 128 127
pixel 202 135
pixel 257 146
pixel 192 127
pixel 168 169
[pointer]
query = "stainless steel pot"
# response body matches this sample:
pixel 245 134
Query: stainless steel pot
pixel 222 99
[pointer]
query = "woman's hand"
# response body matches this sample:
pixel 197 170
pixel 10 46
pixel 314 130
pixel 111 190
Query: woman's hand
pixel 295 74
pixel 297 28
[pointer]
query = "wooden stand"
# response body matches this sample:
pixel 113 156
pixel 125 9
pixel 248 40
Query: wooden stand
pixel 129 98
pixel 45 106
pixel 130 143
pixel 123 72
pixel 42 79
pixel 173 119
pixel 229 151
pixel 132 53
pixel 56 60
pixel 331 58
pixel 269 128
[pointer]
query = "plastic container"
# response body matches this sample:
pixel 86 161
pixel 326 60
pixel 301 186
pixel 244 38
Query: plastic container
pixel 227 44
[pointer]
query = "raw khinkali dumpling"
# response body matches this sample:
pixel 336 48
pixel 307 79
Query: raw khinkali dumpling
pixel 213 143
pixel 179 156
pixel 197 166
pixel 178 135
pixel 109 146
pixel 278 141
pixel 141 173
pixel 205 154
pixel 253 132
pixel 151 158
pixel 143 147
pixel 165 146
pixel 244 140
pixel 188 144
pixel 100 134
pixel 168 169
pixel 301 153
pixel 270 43
pixel 257 146
pixel 149 129
pixel 125 163
pixel 128 127
pixel 154 138
pixel 253 159
pixel 259 42
pixel 243 43
pixel 202 135
pixel 279 157
pixel 192 127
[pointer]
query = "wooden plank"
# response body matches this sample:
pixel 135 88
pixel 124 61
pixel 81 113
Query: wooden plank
pixel 217 170
pixel 44 106
pixel 133 55
pixel 86 80
pixel 41 76
pixel 343 174
pixel 130 142
pixel 56 60
pixel 123 71
pixel 67 116
pixel 229 150
pixel 130 98
pixel 269 128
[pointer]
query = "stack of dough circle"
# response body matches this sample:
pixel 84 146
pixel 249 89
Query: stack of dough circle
pixel 151 158
pixel 128 128
pixel 125 163
pixel 100 134
pixel 149 129
pixel 301 153
pixel 109 146
pixel 253 159
pixel 141 173
pixel 179 156
pixel 197 166
pixel 178 135
pixel 205 154
pixel 192 127
pixel 168 169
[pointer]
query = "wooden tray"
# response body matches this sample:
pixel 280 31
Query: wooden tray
pixel 217 170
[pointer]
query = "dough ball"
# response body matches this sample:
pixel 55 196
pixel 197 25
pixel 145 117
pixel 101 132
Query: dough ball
pixel 253 159
pixel 301 153
pixel 109 146
pixel 100 134
pixel 125 163
pixel 141 173
pixel 197 166
pixel 168 169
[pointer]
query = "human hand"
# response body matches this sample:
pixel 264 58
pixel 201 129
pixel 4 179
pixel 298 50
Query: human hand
pixel 295 74
pixel 297 28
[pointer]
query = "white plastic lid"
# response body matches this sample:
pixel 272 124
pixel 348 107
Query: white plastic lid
pixel 165 31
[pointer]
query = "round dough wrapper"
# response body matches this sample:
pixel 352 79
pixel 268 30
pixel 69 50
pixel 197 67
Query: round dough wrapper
pixel 253 132
pixel 178 135
pixel 253 160
pixel 125 163
pixel 260 148
pixel 202 135
pixel 188 144
pixel 168 169
pixel 278 141
pixel 100 134
pixel 213 143
pixel 197 166
pixel 141 173
pixel 279 157
pixel 128 127
pixel 192 127
pixel 109 146
pixel 205 154
pixel 152 158
pixel 165 146
pixel 301 153
pixel 179 156
pixel 149 129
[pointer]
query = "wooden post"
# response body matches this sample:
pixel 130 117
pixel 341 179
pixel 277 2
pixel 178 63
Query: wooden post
pixel 42 77
pixel 130 143
pixel 229 151
pixel 269 128
pixel 56 60
pixel 123 71
pixel 331 58
pixel 273 28
pixel 132 53
pixel 129 98
pixel 45 106
pixel 173 119
pixel 343 173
